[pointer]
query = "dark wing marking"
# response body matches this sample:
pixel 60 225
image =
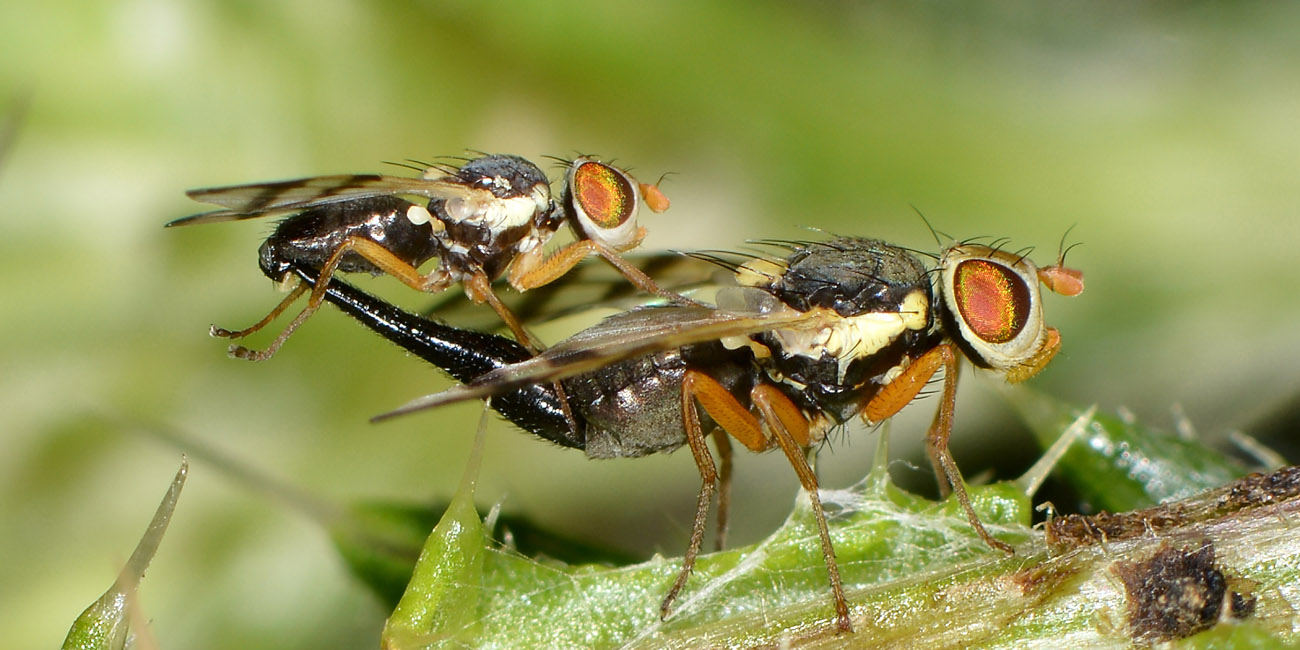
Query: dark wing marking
pixel 619 337
pixel 283 197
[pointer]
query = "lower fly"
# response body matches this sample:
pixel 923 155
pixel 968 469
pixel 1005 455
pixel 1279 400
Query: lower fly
pixel 836 330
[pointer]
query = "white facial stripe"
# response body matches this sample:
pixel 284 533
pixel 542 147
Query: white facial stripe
pixel 856 337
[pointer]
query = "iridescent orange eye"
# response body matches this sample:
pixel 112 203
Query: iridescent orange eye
pixel 993 300
pixel 605 195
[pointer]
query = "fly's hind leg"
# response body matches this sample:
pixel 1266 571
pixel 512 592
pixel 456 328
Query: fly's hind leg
pixel 731 416
pixel 372 252
pixel 221 332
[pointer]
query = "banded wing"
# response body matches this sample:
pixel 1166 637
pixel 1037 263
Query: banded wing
pixel 283 197
pixel 617 338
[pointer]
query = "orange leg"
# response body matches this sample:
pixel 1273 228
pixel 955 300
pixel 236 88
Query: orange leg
pixel 789 427
pixel 479 289
pixel 898 393
pixel 221 332
pixel 708 481
pixel 524 277
pixel 723 443
pixel 373 252
pixel 936 443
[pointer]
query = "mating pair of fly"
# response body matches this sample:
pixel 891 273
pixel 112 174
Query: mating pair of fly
pixel 796 346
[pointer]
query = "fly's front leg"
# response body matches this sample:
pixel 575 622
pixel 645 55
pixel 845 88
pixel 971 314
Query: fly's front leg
pixel 532 271
pixel 790 428
pixel 902 390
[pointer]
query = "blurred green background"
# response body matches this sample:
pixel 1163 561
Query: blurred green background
pixel 1167 134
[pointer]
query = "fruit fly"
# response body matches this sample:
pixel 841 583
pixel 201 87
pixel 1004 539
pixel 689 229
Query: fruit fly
pixel 846 328
pixel 490 217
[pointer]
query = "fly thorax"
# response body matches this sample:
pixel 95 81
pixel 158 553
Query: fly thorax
pixel 504 214
pixel 830 351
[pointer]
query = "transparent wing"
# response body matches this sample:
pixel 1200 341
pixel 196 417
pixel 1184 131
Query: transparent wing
pixel 619 337
pixel 283 197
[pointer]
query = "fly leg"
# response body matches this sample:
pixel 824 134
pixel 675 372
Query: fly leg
pixel 532 271
pixel 708 479
pixel 898 393
pixel 373 252
pixel 479 289
pixel 732 417
pixel 936 442
pixel 723 443
pixel 790 428
pixel 221 332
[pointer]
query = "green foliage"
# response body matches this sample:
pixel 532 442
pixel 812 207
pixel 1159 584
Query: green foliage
pixel 1119 464
pixel 106 624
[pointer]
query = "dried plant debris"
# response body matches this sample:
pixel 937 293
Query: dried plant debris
pixel 1253 491
pixel 1177 593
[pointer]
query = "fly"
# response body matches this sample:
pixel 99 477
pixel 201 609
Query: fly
pixel 488 218
pixel 847 328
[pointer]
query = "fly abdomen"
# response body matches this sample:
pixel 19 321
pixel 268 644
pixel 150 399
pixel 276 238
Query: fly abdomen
pixel 463 354
pixel 309 238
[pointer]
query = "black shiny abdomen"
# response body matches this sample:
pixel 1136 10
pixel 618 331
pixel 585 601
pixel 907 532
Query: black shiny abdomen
pixel 463 354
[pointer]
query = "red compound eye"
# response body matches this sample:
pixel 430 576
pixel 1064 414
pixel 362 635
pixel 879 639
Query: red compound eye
pixel 604 194
pixel 993 300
